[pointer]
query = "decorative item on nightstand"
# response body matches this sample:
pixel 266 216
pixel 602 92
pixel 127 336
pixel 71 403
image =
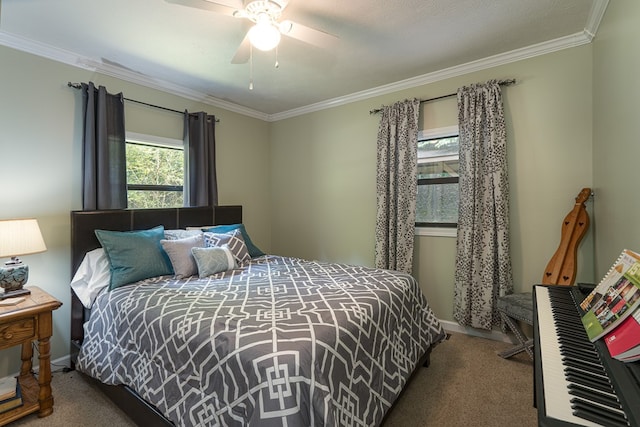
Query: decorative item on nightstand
pixel 17 237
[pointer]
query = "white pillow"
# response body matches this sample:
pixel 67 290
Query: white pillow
pixel 92 276
pixel 180 234
pixel 179 251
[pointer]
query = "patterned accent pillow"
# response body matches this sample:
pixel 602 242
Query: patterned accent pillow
pixel 254 251
pixel 179 251
pixel 213 260
pixel 233 240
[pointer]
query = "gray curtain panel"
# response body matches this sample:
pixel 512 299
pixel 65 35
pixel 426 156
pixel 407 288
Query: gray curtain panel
pixel 104 168
pixel 200 183
pixel 483 261
pixel 396 185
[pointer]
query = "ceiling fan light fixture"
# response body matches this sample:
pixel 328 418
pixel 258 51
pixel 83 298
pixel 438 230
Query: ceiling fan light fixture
pixel 264 36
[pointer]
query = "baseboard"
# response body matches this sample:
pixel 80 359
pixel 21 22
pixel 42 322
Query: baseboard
pixel 58 364
pixel 467 330
pixel 63 362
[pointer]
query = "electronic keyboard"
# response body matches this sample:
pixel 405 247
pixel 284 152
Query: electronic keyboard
pixel 577 382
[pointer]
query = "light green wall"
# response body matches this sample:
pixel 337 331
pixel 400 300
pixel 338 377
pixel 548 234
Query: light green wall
pixel 40 142
pixel 616 131
pixel 307 183
pixel 323 172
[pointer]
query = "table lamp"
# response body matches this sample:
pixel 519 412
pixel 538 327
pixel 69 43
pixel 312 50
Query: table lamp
pixel 17 237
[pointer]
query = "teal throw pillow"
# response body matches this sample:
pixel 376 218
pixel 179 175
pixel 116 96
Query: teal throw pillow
pixel 254 251
pixel 134 255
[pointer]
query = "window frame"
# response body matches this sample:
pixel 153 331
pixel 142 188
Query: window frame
pixel 441 229
pixel 156 141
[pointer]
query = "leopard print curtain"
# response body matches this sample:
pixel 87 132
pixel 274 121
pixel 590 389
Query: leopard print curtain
pixel 483 261
pixel 396 185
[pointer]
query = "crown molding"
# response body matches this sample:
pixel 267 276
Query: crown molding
pixel 459 70
pixel 596 13
pixel 73 59
pixel 60 55
pixel 598 8
pixel 37 48
pixel 164 86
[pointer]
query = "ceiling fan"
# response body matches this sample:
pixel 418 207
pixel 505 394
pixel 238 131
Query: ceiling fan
pixel 266 32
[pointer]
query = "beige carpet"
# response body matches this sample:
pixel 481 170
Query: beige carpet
pixel 467 384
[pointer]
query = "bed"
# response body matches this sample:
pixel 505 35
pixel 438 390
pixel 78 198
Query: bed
pixel 261 340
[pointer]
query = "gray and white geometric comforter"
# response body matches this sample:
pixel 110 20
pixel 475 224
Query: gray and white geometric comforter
pixel 279 341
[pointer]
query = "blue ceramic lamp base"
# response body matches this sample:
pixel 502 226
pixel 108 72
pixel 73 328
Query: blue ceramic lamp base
pixel 12 279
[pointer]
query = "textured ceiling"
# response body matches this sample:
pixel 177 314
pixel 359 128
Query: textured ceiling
pixel 380 42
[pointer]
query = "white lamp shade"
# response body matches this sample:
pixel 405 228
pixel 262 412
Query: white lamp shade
pixel 20 237
pixel 264 36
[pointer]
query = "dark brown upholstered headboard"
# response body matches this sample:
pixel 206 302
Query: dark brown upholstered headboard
pixel 83 223
pixel 83 238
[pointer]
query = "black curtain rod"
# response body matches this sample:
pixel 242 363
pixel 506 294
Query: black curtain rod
pixel 79 86
pixel 422 101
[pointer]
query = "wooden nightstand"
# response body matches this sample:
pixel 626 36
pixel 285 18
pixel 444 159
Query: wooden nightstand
pixel 23 323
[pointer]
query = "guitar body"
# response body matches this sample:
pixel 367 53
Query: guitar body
pixel 562 267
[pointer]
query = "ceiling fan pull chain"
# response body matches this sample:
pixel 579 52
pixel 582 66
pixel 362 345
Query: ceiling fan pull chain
pixel 251 68
pixel 277 63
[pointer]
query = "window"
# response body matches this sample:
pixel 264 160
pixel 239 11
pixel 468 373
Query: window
pixel 437 201
pixel 155 171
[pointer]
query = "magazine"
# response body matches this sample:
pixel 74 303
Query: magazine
pixel 12 402
pixel 624 341
pixel 615 297
pixel 8 387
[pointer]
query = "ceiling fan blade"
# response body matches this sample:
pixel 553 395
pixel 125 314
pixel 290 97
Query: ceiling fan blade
pixel 243 52
pixel 222 7
pixel 282 3
pixel 307 34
